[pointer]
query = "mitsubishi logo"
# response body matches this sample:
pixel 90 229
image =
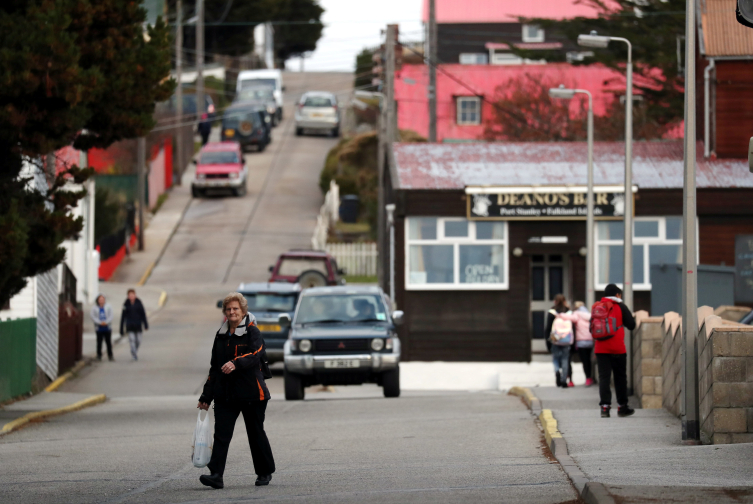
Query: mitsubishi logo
pixel 341 346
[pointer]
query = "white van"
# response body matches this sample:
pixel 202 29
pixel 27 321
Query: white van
pixel 266 78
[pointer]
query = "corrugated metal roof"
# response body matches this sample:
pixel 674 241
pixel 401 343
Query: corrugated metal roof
pixel 656 165
pixel 722 34
pixel 506 11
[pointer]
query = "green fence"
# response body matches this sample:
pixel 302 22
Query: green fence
pixel 18 357
pixel 126 185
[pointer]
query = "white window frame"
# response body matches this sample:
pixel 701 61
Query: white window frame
pixel 539 38
pixel 475 57
pixel 641 240
pixel 456 242
pixel 458 110
pixel 506 58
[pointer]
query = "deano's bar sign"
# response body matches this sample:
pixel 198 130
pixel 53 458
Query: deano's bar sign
pixel 566 203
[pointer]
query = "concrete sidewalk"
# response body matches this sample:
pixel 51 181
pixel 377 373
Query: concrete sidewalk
pixel 46 404
pixel 641 458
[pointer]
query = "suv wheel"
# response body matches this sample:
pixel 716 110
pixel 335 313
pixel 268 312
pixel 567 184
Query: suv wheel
pixel 312 278
pixel 298 131
pixel 391 383
pixel 293 386
pixel 195 192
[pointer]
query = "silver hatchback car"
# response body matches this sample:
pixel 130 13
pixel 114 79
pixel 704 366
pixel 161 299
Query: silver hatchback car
pixel 317 110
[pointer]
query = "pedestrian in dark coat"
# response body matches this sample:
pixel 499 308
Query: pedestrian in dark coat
pixel 611 354
pixel 133 319
pixel 236 384
pixel 205 128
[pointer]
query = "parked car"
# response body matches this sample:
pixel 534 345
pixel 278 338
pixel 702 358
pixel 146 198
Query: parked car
pixel 342 336
pixel 317 110
pixel 245 123
pixel 309 268
pixel 263 97
pixel 267 301
pixel 189 104
pixel 271 78
pixel 220 165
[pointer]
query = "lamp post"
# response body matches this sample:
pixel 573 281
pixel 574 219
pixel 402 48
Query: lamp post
pixel 602 41
pixel 567 94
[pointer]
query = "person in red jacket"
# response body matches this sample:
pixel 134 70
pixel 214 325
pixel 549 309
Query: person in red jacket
pixel 611 355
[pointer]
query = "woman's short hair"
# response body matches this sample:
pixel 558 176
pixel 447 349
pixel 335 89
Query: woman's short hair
pixel 235 296
pixel 560 301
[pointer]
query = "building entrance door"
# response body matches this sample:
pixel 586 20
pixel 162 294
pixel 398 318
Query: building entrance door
pixel 548 278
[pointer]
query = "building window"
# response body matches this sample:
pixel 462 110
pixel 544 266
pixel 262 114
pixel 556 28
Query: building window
pixel 455 254
pixel 469 110
pixel 505 58
pixel 656 240
pixel 532 33
pixel 474 58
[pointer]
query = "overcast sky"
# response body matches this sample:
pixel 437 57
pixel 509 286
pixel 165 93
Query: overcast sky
pixel 351 25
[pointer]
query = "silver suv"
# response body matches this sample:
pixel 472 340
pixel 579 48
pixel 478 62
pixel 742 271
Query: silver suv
pixel 342 336
pixel 317 110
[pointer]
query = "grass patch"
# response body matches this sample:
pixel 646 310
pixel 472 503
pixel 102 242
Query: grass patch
pixel 160 201
pixel 360 279
pixel 352 227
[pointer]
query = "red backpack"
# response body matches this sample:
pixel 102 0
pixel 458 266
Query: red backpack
pixel 606 320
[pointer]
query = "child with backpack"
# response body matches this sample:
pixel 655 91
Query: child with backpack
pixel 609 319
pixel 560 332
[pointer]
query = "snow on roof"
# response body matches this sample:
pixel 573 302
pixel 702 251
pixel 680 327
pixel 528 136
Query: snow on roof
pixel 656 165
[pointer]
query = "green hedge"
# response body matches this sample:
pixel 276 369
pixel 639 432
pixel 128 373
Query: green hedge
pixel 18 357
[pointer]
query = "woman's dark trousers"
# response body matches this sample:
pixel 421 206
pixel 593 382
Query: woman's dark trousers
pixel 585 358
pixel 612 364
pixel 107 337
pixel 225 415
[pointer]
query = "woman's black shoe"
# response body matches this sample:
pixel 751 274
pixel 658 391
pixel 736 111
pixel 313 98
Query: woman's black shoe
pixel 263 480
pixel 624 411
pixel 212 480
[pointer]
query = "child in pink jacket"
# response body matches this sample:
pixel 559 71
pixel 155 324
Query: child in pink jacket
pixel 584 342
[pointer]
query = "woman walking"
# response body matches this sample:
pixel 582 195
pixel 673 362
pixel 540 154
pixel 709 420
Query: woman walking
pixel 101 315
pixel 584 342
pixel 556 329
pixel 236 384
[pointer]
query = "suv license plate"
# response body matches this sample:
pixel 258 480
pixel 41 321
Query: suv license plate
pixel 341 364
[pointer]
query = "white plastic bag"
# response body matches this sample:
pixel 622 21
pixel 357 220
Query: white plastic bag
pixel 203 440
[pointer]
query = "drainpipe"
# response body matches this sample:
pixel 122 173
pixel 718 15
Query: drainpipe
pixel 707 107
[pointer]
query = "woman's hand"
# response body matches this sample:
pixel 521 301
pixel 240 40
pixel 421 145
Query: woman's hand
pixel 203 405
pixel 228 368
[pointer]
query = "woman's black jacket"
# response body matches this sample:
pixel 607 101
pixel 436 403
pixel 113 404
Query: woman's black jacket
pixel 245 349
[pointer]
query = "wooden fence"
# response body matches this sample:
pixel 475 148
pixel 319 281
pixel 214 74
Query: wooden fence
pixel 359 259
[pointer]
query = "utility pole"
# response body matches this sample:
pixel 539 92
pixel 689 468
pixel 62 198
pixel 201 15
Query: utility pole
pixel 199 59
pixel 389 84
pixel 689 407
pixel 141 185
pixel 179 90
pixel 432 61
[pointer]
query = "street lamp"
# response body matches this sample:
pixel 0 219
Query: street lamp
pixel 602 41
pixel 566 94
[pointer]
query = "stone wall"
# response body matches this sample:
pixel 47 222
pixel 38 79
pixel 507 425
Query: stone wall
pixel 670 361
pixel 725 382
pixel 731 313
pixel 647 360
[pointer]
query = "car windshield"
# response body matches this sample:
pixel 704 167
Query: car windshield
pixel 294 266
pixel 234 119
pixel 261 302
pixel 256 94
pixel 317 101
pixel 346 308
pixel 269 83
pixel 219 157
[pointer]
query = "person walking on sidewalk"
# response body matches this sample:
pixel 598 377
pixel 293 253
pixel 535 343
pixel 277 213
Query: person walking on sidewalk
pixel 609 319
pixel 560 331
pixel 236 384
pixel 102 315
pixel 133 319
pixel 584 343
pixel 205 128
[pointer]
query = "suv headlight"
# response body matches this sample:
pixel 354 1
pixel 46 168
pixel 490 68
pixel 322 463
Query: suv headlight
pixel 200 176
pixel 271 109
pixel 233 174
pixel 304 345
pixel 377 344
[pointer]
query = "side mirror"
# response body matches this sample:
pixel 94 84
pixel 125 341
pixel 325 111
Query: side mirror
pixel 243 160
pixel 193 161
pixel 219 304
pixel 271 269
pixel 397 317
pixel 284 320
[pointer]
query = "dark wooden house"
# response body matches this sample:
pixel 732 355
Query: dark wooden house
pixel 487 234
